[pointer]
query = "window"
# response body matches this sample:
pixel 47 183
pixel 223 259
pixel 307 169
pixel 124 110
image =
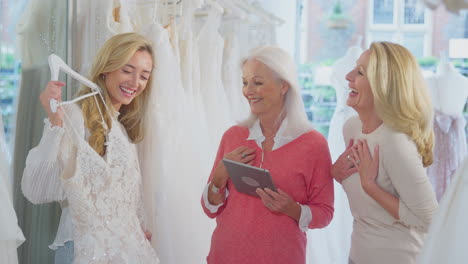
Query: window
pixel 402 21
pixel 10 64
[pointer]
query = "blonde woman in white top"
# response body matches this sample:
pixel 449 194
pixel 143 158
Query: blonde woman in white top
pixel 390 144
pixel 88 156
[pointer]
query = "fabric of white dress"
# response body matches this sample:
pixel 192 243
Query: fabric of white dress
pixel 104 193
pixel 449 91
pixel 172 166
pixel 332 243
pixel 11 235
pixel 447 235
pixel 95 24
pixel 232 73
pixel 211 45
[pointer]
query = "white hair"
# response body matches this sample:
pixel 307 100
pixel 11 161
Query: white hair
pixel 281 63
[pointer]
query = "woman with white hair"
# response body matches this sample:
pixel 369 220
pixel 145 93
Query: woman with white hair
pixel 390 144
pixel 276 136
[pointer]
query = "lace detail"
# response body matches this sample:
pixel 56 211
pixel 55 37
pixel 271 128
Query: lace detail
pixel 105 197
pixel 449 150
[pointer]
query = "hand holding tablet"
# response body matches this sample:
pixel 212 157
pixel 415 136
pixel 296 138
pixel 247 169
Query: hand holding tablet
pixel 248 178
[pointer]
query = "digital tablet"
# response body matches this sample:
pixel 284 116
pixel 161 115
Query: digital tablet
pixel 248 178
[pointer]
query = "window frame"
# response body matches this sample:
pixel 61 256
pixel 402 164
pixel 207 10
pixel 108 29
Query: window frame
pixel 398 28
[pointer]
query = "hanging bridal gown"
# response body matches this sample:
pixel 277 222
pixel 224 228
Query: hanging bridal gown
pixel 331 244
pixel 211 45
pixel 174 158
pixel 104 193
pixel 95 24
pixel 446 240
pixel 232 72
pixel 449 90
pixel 11 236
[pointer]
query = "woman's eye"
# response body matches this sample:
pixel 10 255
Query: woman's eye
pixel 125 71
pixel 258 83
pixel 244 83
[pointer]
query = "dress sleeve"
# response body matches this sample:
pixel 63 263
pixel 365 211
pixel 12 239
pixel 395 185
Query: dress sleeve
pixel 320 191
pixel 45 163
pixel 403 164
pixel 207 207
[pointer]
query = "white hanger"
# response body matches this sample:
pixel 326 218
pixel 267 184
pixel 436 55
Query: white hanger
pixel 56 64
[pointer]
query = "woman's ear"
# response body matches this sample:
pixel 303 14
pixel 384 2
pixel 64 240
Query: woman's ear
pixel 284 87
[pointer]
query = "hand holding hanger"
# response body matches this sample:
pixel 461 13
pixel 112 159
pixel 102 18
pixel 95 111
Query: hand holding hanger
pixel 53 91
pixel 56 64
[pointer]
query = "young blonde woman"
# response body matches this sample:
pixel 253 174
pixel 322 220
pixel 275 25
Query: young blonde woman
pixel 87 156
pixel 383 170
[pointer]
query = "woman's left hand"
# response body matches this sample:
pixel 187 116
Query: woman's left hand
pixel 148 235
pixel 367 166
pixel 279 202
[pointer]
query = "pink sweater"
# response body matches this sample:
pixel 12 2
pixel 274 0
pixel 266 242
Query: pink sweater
pixel 246 231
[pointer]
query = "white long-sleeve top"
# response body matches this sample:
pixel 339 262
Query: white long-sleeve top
pixel 49 177
pixel 41 178
pixel 377 236
pixel 255 133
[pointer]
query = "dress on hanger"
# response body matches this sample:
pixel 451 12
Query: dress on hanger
pixel 104 193
pixel 449 150
pixel 211 45
pixel 332 243
pixel 11 236
pixel 171 161
pixel 446 241
pixel 232 72
pixel 96 22
pixel 449 90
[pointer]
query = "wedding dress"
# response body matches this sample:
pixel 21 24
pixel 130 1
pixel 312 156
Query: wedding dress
pixel 332 243
pixel 446 240
pixel 449 90
pixel 173 168
pixel 104 193
pixel 232 72
pixel 211 45
pixel 11 236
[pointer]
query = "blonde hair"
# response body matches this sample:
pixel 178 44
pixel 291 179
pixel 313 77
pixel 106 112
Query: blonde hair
pixel 113 55
pixel 283 66
pixel 400 94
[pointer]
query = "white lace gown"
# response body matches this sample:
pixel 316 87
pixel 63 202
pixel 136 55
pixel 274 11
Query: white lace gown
pixel 104 193
pixel 11 236
pixel 446 241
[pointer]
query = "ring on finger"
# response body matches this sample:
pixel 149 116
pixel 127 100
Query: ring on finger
pixel 243 155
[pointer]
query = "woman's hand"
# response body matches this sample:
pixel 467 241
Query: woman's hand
pixel 367 165
pixel 241 154
pixel 280 202
pixel 343 166
pixel 220 176
pixel 148 235
pixel 53 90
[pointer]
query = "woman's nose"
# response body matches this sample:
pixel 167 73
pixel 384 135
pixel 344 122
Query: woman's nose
pixel 134 80
pixel 349 76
